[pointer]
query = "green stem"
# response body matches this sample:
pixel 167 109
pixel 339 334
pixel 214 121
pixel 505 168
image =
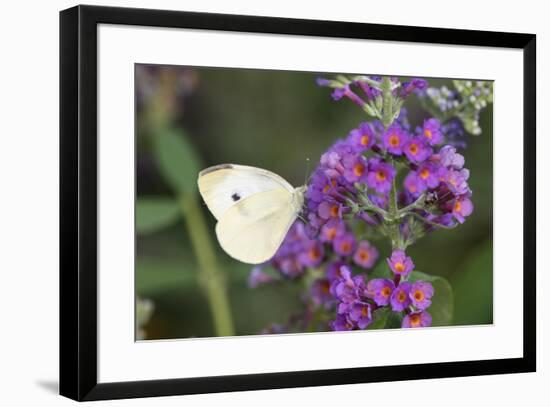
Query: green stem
pixel 429 222
pixel 210 274
pixel 393 227
pixel 387 109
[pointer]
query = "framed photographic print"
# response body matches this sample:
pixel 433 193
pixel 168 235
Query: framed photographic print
pixel 257 202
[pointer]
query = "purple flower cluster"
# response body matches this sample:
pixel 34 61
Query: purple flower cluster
pixel 354 311
pixel 357 300
pixel 443 177
pixel 297 252
pixel 356 187
pixel 333 185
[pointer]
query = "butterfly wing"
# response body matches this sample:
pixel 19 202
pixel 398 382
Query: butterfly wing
pixel 222 186
pixel 252 230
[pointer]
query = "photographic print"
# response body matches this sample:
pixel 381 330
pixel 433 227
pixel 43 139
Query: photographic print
pixel 275 202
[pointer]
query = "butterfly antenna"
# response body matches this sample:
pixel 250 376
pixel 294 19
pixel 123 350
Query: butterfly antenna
pixel 307 175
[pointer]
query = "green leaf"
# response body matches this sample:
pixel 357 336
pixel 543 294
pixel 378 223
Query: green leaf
pixel 381 270
pixel 473 285
pixel 177 160
pixel 154 214
pixel 442 306
pixel 379 318
pixel 394 320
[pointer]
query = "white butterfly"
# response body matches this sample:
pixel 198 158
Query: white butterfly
pixel 254 207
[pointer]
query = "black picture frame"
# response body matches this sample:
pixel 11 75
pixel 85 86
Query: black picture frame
pixel 78 202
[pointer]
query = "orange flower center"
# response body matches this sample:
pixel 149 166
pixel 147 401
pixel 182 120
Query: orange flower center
pixel 428 133
pixel 334 211
pixel 458 206
pixel 401 296
pixel 364 311
pixel 365 139
pixel 412 188
pixel 418 295
pixel 345 247
pixel 425 173
pixel 394 140
pixel 331 233
pixel 399 267
pixel 386 292
pixel 325 287
pixel 358 170
pixel 327 187
pixel 314 253
pixel 364 255
pixel 413 148
pixel 415 319
pixel 380 175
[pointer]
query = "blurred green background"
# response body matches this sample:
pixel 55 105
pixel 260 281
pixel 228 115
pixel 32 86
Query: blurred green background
pixel 189 117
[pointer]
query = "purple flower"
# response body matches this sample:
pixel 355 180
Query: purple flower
pixel 346 91
pixel 448 157
pixel 400 263
pixel 457 181
pixel 312 254
pixel 431 132
pixel 380 290
pixel 286 259
pixel 394 139
pixel 259 277
pixel 421 293
pixel 328 210
pixel 365 255
pixel 416 150
pixel 430 175
pixel 344 245
pixel 417 320
pixel 341 323
pixel 415 83
pixel 348 288
pixel 356 168
pixel 400 297
pixel 332 229
pixel 320 292
pixel 413 184
pixel 380 175
pixel 334 270
pixel 362 138
pixel 462 208
pixel 369 91
pixel 360 313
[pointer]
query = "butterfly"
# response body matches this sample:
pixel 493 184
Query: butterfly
pixel 254 207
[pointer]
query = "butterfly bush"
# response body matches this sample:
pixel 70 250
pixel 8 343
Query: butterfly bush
pixel 387 180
